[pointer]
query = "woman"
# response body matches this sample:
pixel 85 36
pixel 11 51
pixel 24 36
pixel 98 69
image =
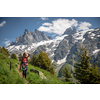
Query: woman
pixel 24 63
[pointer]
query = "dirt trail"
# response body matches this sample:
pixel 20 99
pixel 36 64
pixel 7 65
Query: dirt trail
pixel 20 73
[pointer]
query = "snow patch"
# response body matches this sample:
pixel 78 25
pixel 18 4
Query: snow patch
pixel 89 32
pixel 83 39
pixel 96 29
pixel 98 35
pixel 61 61
pixel 79 36
pixel 95 51
pixel 92 37
pixel 17 47
pixel 47 49
pixel 52 55
pixel 92 34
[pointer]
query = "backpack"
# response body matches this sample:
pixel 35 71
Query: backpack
pixel 23 64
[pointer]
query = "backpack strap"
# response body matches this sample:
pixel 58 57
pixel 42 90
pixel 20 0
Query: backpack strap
pixel 23 62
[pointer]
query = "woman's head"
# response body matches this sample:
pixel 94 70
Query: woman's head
pixel 24 54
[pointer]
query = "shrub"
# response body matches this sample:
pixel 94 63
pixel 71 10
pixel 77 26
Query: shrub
pixel 13 56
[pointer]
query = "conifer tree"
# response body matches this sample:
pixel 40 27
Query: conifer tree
pixel 84 71
pixel 43 60
pixel 52 68
pixel 4 51
pixel 66 73
pixel 94 75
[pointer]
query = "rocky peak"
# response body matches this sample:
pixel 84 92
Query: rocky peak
pixel 36 30
pixel 70 31
pixel 25 32
pixel 74 30
pixel 30 37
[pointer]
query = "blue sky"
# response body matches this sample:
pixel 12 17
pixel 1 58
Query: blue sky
pixel 12 27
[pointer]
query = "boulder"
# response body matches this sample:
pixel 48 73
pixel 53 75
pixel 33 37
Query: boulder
pixel 38 72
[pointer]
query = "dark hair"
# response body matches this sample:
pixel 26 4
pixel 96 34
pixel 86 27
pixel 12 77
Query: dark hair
pixel 23 53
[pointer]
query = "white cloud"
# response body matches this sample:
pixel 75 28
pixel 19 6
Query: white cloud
pixel 2 24
pixel 7 42
pixel 47 24
pixel 44 18
pixel 58 26
pixel 84 26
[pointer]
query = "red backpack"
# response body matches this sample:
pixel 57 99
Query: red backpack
pixel 23 63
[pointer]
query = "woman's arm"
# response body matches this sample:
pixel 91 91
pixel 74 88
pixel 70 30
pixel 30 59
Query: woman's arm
pixel 28 54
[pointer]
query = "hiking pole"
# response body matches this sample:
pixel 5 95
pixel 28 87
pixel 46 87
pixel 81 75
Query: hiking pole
pixel 10 65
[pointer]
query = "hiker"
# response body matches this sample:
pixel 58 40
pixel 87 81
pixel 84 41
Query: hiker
pixel 24 63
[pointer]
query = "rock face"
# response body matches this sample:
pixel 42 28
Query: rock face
pixel 61 50
pixel 64 47
pixel 91 40
pixel 39 73
pixel 70 31
pixel 30 37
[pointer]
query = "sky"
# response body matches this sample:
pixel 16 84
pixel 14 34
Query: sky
pixel 12 27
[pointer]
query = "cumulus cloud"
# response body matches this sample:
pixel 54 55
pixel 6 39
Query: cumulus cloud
pixel 58 26
pixel 7 42
pixel 84 26
pixel 44 18
pixel 2 24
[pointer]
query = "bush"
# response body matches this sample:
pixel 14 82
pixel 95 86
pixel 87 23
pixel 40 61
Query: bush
pixel 4 51
pixel 43 60
pixel 33 60
pixel 19 57
pixel 13 56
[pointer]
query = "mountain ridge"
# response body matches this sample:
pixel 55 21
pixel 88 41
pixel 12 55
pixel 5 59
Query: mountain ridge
pixel 62 48
pixel 30 37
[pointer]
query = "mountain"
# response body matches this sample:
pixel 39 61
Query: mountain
pixel 30 37
pixel 91 40
pixel 61 49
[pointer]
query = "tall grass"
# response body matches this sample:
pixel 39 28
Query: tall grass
pixel 7 76
pixel 12 77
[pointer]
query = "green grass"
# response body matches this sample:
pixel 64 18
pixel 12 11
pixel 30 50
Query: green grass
pixel 12 77
pixel 7 76
pixel 34 78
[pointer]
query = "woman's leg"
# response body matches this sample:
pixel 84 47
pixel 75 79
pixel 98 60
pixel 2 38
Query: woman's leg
pixel 26 72
pixel 23 73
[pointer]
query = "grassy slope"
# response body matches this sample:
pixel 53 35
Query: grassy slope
pixel 7 76
pixel 12 77
pixel 33 78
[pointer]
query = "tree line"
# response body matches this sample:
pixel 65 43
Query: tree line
pixel 43 61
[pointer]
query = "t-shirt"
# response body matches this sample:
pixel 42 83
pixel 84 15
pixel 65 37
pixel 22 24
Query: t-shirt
pixel 24 60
